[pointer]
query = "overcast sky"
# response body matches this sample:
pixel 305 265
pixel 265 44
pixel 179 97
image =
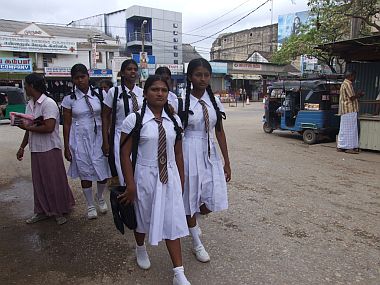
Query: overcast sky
pixel 195 13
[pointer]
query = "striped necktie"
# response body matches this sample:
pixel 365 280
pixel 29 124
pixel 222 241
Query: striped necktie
pixel 207 124
pixel 161 155
pixel 135 105
pixel 87 99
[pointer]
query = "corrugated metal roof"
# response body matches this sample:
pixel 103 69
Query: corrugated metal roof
pixel 10 26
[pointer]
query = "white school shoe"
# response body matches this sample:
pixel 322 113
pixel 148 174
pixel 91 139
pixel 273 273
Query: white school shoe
pixel 102 206
pixel 142 259
pixel 91 213
pixel 201 254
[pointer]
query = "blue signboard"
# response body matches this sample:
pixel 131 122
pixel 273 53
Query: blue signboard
pixel 151 58
pixel 219 67
pixel 22 65
pixel 100 72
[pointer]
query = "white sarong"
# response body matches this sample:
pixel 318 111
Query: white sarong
pixel 348 137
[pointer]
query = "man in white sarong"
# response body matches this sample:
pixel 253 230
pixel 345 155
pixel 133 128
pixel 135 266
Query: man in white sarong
pixel 348 138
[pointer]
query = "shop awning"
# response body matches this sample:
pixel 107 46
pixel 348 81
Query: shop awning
pixel 360 49
pixel 246 76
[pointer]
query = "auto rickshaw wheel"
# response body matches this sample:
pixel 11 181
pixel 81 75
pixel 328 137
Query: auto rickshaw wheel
pixel 267 129
pixel 309 136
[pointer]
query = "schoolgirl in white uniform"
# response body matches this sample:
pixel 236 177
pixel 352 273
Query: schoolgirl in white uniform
pixel 155 186
pixel 82 132
pixel 166 74
pixel 205 188
pixel 127 91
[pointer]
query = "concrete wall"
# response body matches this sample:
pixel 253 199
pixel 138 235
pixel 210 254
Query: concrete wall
pixel 240 45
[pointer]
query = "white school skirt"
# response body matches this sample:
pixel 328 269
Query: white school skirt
pixel 159 209
pixel 205 182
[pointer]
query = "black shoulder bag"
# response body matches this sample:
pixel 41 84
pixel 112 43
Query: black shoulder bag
pixel 125 214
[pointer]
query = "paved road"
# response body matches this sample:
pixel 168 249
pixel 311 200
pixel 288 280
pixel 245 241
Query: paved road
pixel 298 214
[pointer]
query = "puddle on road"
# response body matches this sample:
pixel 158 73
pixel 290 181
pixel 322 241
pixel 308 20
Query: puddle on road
pixel 17 197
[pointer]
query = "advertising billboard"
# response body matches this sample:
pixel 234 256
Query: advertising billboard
pixel 290 24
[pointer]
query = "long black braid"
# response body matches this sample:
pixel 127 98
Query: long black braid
pixel 219 115
pixel 177 128
pixel 185 117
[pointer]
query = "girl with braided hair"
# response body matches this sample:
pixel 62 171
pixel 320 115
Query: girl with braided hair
pixel 153 137
pixel 205 188
pixel 82 133
pixel 119 102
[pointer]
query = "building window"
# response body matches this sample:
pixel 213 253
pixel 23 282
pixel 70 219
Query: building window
pixel 175 40
pixel 110 55
pixel 176 54
pixel 98 57
pixel 176 61
pixel 175 47
pixel 175 25
pixel 250 34
pixel 21 54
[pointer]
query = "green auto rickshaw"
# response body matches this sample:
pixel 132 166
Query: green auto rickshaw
pixel 12 99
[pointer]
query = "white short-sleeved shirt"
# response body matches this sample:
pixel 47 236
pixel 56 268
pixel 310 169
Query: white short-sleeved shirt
pixel 148 144
pixel 173 101
pixel 120 114
pixel 48 109
pixel 196 120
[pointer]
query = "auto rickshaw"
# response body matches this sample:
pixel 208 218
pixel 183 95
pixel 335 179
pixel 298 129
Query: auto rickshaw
pixel 13 99
pixel 308 107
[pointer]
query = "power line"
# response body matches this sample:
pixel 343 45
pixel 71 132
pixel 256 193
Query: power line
pixel 254 10
pixel 212 21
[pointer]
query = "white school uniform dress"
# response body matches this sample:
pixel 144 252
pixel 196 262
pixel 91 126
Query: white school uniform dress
pixel 88 161
pixel 173 101
pixel 159 207
pixel 120 116
pixel 204 177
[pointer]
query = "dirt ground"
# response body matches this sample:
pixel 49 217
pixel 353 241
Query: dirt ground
pixel 298 214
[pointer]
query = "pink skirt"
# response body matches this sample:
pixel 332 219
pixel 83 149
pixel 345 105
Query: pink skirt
pixel 52 194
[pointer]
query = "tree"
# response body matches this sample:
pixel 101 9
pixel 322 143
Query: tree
pixel 329 22
pixel 366 10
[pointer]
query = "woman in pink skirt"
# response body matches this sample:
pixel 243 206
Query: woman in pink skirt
pixel 52 194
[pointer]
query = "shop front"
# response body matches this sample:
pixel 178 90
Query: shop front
pixel 58 81
pixel 363 56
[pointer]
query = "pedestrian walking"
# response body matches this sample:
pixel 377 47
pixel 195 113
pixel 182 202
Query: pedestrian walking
pixel 105 85
pixel 155 186
pixel 165 73
pixel 205 188
pixel 348 137
pixel 82 133
pixel 119 102
pixel 52 194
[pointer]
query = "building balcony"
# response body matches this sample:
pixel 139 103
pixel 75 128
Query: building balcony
pixel 135 38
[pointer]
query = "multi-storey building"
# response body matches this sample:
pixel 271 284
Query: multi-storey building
pixel 52 50
pixel 160 31
pixel 239 46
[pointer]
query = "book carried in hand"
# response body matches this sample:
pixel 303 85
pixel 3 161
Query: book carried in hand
pixel 20 118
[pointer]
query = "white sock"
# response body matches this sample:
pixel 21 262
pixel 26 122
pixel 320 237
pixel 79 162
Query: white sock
pixel 141 251
pixel 87 192
pixel 101 188
pixel 194 231
pixel 179 273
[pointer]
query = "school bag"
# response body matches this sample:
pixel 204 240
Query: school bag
pixel 111 156
pixel 125 214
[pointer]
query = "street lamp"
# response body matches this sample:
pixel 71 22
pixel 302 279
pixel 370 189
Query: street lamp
pixel 143 57
pixel 143 34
